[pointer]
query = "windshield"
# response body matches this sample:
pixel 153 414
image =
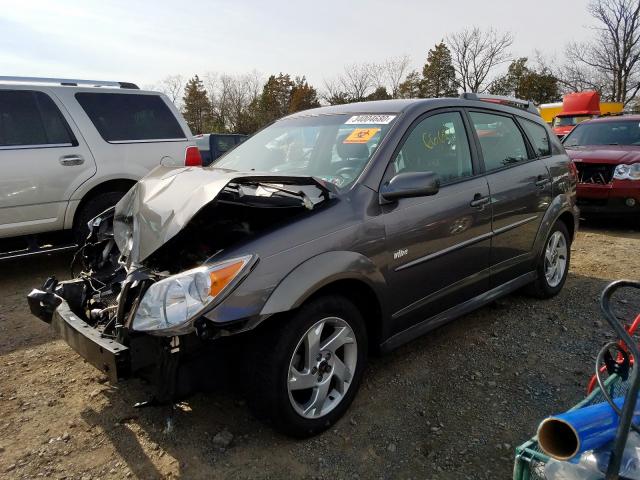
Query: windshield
pixel 605 133
pixel 570 121
pixel 335 148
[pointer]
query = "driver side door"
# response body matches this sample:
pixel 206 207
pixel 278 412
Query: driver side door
pixel 438 246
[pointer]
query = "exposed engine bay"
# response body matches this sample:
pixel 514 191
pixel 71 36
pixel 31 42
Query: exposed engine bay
pixel 110 288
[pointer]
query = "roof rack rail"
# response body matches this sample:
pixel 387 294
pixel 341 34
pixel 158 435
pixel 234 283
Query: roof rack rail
pixel 502 100
pixel 70 82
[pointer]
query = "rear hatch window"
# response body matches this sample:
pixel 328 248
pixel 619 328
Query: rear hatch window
pixel 122 117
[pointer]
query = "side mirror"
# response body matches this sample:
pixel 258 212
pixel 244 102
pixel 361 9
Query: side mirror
pixel 410 184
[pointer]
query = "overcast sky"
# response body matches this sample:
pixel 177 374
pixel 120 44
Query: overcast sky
pixel 143 41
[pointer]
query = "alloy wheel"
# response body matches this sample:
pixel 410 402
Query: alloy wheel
pixel 555 259
pixel 322 367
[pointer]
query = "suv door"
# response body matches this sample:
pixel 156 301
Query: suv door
pixel 43 161
pixel 520 187
pixel 438 245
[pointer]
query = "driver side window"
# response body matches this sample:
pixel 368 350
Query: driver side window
pixel 437 144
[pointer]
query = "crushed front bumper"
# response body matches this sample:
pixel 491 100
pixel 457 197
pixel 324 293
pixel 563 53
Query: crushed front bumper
pixel 105 354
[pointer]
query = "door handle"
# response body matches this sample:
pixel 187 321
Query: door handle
pixel 542 181
pixel 70 160
pixel 479 201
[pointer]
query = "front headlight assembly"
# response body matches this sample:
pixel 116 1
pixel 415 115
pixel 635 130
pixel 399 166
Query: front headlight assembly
pixel 627 172
pixel 170 306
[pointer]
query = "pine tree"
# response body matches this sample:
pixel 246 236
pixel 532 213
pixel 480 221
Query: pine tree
pixel 411 87
pixel 275 98
pixel 379 93
pixel 438 74
pixel 303 96
pixel 522 82
pixel 197 109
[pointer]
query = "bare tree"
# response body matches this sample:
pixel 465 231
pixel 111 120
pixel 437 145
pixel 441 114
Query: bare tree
pixel 357 80
pixel 173 87
pixel 390 73
pixel 614 54
pixel 475 53
pixel 231 96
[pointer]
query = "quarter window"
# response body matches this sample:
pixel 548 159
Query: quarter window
pixel 538 136
pixel 437 144
pixel 30 118
pixel 129 117
pixel 500 139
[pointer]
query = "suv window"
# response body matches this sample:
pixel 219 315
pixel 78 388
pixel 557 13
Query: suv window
pixel 538 136
pixel 437 144
pixel 500 138
pixel 224 143
pixel 30 118
pixel 128 117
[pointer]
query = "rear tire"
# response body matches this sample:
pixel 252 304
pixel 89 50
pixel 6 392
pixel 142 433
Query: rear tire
pixel 306 370
pixel 93 207
pixel 553 263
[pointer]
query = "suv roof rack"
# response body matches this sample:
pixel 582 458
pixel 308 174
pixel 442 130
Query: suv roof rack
pixel 502 100
pixel 68 82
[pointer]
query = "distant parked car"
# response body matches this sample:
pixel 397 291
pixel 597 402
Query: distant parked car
pixel 70 149
pixel 606 152
pixel 213 145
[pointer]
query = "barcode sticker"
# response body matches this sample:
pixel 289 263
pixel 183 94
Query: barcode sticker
pixel 374 119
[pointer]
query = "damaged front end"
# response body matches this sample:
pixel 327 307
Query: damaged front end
pixel 154 264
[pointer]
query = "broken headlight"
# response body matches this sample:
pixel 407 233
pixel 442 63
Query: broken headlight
pixel 170 306
pixel 627 172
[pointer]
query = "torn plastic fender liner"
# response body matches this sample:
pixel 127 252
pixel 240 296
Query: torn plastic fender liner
pixel 162 203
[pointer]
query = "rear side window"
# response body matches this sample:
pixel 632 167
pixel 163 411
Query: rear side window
pixel 538 136
pixel 121 117
pixel 30 118
pixel 224 143
pixel 500 139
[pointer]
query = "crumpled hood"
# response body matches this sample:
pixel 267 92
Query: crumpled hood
pixel 162 203
pixel 613 154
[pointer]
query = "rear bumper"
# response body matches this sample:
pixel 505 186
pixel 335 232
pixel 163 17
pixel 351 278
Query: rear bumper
pixel 107 355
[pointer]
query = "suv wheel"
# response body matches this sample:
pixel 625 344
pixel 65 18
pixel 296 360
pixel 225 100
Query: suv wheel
pixel 553 263
pixel 91 209
pixel 310 367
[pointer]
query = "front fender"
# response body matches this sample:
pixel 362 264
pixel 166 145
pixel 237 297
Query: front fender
pixel 321 270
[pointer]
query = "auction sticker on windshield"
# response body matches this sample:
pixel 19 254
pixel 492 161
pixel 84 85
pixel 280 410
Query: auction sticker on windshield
pixel 370 119
pixel 361 135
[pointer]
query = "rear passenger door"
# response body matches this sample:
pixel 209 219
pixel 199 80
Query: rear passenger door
pixel 520 187
pixel 43 159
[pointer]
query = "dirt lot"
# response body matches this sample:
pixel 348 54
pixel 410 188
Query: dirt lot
pixel 451 405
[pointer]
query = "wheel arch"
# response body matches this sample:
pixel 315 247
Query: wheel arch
pixel 113 185
pixel 347 274
pixel 562 209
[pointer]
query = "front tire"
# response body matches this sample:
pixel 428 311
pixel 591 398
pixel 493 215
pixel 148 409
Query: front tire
pixel 553 263
pixel 309 367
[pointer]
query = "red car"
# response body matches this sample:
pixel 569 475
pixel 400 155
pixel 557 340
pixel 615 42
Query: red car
pixel 606 152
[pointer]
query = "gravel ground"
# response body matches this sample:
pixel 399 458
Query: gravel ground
pixel 451 405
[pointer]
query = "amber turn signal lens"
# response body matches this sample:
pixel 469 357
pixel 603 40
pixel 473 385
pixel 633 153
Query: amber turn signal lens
pixel 221 278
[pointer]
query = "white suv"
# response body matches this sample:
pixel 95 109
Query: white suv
pixel 69 149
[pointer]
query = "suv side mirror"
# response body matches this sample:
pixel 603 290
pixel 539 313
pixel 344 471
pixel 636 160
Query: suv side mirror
pixel 410 184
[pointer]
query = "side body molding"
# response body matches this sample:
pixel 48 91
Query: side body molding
pixel 323 269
